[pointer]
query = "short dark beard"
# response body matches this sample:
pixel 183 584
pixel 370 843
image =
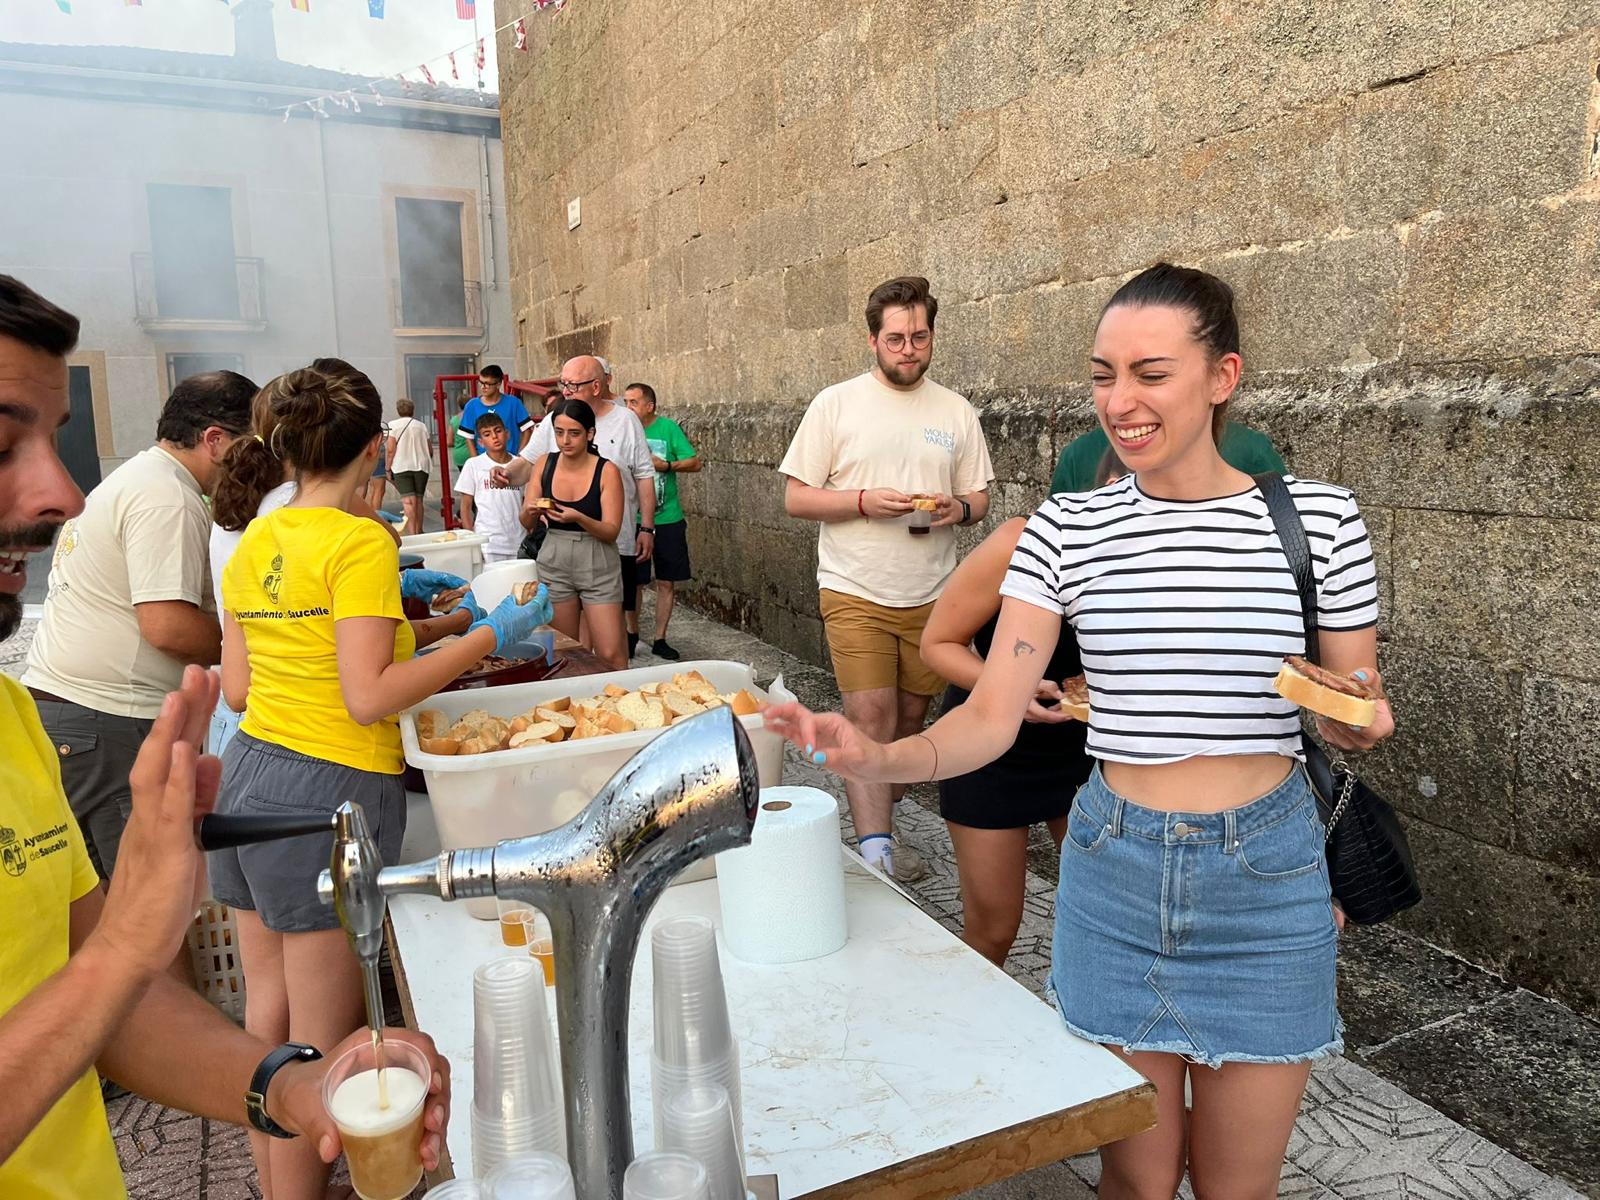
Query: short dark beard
pixel 892 372
pixel 42 534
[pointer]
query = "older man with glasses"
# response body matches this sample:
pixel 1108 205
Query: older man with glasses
pixel 619 437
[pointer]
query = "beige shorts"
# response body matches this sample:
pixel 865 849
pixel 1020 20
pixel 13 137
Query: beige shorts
pixel 575 565
pixel 874 646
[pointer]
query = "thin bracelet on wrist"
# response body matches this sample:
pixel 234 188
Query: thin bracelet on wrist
pixel 860 496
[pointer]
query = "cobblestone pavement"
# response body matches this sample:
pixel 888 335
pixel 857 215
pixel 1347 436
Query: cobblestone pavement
pixel 1358 1136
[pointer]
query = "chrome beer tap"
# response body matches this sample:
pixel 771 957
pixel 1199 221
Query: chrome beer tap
pixel 360 904
pixel 688 794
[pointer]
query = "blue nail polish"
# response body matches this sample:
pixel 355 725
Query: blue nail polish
pixel 808 747
pixel 819 758
pixel 1361 675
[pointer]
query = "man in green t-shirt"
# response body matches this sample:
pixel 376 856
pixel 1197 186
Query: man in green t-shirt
pixel 672 455
pixel 1241 447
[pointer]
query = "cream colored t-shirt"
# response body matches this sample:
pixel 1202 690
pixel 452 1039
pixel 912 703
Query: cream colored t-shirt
pixel 863 434
pixel 410 444
pixel 143 536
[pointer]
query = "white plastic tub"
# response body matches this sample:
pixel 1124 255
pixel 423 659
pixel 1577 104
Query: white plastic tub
pixel 494 584
pixel 462 555
pixel 482 799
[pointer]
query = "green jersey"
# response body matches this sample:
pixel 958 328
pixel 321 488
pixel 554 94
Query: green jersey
pixel 1242 448
pixel 667 441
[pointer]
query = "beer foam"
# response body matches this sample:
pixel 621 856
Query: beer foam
pixel 355 1107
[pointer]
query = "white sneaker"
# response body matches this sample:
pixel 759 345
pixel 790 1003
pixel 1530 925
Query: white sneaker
pixel 905 864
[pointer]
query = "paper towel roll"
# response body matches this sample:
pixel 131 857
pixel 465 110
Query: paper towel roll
pixel 783 895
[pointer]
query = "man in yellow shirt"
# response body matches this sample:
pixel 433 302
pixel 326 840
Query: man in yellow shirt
pixel 82 982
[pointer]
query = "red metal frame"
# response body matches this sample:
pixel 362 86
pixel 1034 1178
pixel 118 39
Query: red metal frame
pixel 540 389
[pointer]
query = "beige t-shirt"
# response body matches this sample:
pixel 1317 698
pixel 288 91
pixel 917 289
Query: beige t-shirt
pixel 863 434
pixel 143 536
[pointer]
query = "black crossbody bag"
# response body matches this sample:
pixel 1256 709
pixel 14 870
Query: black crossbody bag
pixel 1369 859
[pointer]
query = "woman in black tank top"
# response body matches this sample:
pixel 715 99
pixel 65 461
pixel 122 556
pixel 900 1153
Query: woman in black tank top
pixel 990 810
pixel 578 496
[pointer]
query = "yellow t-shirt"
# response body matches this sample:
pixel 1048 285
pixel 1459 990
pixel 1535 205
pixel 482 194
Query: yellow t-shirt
pixel 296 572
pixel 43 869
pixel 863 434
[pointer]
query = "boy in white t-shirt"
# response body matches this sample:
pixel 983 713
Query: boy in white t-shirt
pixel 489 510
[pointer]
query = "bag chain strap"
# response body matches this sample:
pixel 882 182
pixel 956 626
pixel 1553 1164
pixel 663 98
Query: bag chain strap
pixel 1347 789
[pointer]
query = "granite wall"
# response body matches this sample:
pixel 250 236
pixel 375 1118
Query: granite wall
pixel 1405 193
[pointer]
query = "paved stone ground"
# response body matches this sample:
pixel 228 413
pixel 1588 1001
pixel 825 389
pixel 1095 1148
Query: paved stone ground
pixel 1456 1085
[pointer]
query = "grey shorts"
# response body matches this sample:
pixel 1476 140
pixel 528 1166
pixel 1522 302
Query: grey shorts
pixel 278 880
pixel 576 565
pixel 97 753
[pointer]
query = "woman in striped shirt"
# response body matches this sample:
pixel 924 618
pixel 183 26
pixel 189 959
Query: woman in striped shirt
pixel 1194 926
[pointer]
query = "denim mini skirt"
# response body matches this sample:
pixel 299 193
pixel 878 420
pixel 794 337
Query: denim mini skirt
pixel 1209 935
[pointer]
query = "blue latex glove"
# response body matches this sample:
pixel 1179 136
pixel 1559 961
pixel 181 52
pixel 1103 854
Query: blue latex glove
pixel 469 603
pixel 420 584
pixel 513 622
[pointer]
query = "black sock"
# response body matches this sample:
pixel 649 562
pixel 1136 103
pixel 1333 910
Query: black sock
pixel 633 644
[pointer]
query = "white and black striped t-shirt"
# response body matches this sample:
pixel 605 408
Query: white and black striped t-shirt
pixel 1184 610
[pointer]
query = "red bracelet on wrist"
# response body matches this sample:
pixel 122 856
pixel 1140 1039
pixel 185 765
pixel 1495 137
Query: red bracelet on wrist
pixel 859 497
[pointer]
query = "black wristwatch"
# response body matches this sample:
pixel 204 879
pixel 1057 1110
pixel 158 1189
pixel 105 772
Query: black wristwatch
pixel 255 1100
pixel 966 511
pixel 650 529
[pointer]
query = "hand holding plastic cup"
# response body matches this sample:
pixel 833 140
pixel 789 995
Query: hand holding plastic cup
pixel 382 1142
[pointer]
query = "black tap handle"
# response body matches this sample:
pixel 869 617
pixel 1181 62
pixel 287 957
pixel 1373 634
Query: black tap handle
pixel 223 831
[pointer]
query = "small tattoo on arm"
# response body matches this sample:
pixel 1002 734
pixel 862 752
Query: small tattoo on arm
pixel 1021 648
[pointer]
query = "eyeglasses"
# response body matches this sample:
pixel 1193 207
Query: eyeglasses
pixel 896 342
pixel 572 385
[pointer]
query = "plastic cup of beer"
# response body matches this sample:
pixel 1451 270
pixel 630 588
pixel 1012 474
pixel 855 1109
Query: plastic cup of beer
pixel 541 945
pixel 514 918
pixel 382 1143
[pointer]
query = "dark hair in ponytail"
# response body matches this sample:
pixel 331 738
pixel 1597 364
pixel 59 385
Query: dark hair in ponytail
pixel 325 415
pixel 1207 299
pixel 249 470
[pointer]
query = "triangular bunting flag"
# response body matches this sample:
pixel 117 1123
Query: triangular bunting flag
pixel 427 74
pixel 521 30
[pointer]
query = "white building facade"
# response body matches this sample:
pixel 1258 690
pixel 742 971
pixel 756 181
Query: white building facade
pixel 164 199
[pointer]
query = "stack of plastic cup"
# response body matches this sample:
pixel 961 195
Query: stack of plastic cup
pixel 665 1175
pixel 694 1043
pixel 516 1101
pixel 699 1123
pixel 457 1189
pixel 530 1177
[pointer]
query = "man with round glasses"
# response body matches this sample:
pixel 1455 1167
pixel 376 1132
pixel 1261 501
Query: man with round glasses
pixel 887 463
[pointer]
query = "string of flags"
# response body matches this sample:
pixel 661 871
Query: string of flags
pixel 349 99
pixel 466 10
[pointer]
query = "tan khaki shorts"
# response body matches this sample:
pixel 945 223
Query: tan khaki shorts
pixel 575 564
pixel 874 646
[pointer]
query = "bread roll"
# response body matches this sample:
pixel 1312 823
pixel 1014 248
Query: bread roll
pixel 439 745
pixel 525 591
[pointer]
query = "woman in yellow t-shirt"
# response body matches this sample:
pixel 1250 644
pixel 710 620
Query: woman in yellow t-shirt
pixel 314 636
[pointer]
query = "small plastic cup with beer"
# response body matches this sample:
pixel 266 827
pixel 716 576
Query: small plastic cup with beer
pixel 515 916
pixel 379 1115
pixel 541 945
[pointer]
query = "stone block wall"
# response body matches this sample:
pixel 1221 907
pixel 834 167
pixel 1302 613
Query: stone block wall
pixel 1406 196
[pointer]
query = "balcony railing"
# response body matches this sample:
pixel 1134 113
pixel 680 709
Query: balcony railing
pixel 422 311
pixel 173 301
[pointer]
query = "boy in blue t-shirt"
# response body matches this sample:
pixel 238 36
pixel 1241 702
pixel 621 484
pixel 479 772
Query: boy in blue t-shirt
pixel 508 408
